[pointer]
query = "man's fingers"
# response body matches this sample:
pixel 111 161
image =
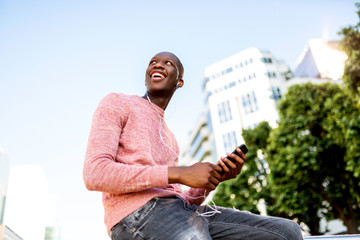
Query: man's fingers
pixel 211 186
pixel 217 167
pixel 223 165
pixel 229 162
pixel 214 181
pixel 238 159
pixel 216 174
pixel 242 155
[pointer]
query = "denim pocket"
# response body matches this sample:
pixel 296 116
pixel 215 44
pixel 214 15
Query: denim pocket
pixel 120 231
pixel 186 206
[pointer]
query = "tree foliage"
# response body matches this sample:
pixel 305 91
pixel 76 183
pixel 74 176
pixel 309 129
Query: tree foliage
pixel 351 45
pixel 312 156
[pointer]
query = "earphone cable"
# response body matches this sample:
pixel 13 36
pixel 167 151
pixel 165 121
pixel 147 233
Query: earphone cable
pixel 214 209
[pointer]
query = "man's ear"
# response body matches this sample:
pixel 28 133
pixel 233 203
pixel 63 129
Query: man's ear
pixel 180 83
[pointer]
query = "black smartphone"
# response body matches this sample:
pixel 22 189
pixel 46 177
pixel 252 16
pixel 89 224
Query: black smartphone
pixel 243 148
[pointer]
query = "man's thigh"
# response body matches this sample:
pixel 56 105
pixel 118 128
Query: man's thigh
pixel 233 224
pixel 163 218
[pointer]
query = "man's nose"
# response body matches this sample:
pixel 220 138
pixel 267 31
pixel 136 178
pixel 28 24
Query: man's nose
pixel 159 65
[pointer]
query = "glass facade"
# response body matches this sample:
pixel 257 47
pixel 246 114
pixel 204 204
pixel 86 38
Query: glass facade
pixel 266 60
pixel 230 142
pixel 276 94
pixel 226 71
pixel 195 143
pixel 224 111
pixel 249 102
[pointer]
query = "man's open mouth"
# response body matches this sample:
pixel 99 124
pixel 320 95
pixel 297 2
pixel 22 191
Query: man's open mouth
pixel 157 75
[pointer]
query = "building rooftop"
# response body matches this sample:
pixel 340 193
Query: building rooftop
pixel 321 59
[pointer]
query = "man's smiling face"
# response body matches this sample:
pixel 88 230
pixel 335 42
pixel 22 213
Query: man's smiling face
pixel 162 73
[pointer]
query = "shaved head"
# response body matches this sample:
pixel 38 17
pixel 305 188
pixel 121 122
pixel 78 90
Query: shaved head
pixel 178 64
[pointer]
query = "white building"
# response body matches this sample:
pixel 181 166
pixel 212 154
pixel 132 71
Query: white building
pixel 241 91
pixel 198 148
pixel 7 234
pixel 320 62
pixel 29 207
pixel 321 59
pixel 4 177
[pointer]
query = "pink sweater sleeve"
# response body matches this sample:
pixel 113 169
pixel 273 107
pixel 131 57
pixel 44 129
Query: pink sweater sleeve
pixel 102 172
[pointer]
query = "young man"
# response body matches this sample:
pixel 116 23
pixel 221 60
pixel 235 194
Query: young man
pixel 132 159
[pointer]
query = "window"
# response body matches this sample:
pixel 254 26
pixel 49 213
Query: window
pixel 271 74
pixel 209 122
pixel 249 102
pixel 195 143
pixel 199 154
pixel 224 112
pixel 255 101
pixel 229 70
pixel 276 94
pixel 266 60
pixel 230 141
pixel 226 71
pixel 244 104
pixel 252 126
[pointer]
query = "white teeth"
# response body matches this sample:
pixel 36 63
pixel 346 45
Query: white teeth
pixel 157 75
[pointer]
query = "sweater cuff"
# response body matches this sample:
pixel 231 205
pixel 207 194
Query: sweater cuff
pixel 159 177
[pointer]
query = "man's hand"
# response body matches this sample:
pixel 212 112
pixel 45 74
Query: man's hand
pixel 199 175
pixel 229 169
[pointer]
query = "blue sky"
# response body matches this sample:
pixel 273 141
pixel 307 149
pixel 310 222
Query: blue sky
pixel 59 58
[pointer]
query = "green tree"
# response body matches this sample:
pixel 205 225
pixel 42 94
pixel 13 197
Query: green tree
pixel 351 45
pixel 314 156
pixel 245 191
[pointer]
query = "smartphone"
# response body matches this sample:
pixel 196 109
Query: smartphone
pixel 243 148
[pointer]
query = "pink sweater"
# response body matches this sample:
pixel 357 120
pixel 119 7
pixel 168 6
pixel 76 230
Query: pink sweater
pixel 126 159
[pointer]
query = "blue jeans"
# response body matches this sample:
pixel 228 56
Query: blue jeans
pixel 171 218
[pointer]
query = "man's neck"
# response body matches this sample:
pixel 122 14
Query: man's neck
pixel 160 101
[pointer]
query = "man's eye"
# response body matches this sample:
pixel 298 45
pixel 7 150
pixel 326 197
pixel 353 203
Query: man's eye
pixel 168 62
pixel 153 62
